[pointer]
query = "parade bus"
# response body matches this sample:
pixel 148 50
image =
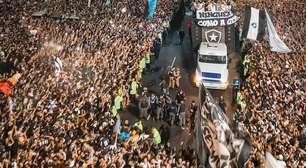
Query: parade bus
pixel 212 66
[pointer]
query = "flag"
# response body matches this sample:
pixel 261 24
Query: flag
pixel 5 89
pixel 151 9
pixel 14 79
pixel 254 24
pixel 275 42
pixel 58 65
pixel 223 147
pixel 243 152
pixel 271 162
pixel 40 13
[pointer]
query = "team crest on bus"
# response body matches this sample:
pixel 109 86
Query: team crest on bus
pixel 213 36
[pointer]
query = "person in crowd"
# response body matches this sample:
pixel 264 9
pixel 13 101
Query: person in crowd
pixel 157 47
pixel 164 133
pixel 153 103
pixel 192 109
pixel 181 36
pixel 189 26
pixel 143 106
pixel 222 104
pixel 181 113
pixel 164 37
pixel 133 90
pixel 160 108
pixel 156 136
pixel 62 114
pixel 180 96
pixel 168 105
pixel 246 63
pixel 270 101
pixel 177 78
pixel 172 113
pixel 171 75
pixel 164 86
pixel 148 61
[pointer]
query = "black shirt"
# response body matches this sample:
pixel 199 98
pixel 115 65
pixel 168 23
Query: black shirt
pixel 302 140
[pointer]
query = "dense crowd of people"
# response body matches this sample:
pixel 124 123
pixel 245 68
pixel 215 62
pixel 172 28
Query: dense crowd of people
pixel 212 5
pixel 274 94
pixel 80 65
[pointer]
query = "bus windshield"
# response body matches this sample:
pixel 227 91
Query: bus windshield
pixel 212 59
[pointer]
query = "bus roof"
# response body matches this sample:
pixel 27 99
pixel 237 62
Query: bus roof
pixel 218 49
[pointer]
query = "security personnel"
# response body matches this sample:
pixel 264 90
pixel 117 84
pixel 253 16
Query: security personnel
pixel 180 96
pixel 163 87
pixel 193 109
pixel 243 45
pixel 160 108
pixel 222 104
pixel 240 100
pixel 144 104
pixel 239 97
pixel 168 104
pixel 172 113
pixel 153 102
pixel 156 136
pixel 120 89
pixel 117 104
pixel 246 63
pixel 235 88
pixel 156 48
pixel 237 117
pixel 133 90
pixel 142 64
pixel 181 112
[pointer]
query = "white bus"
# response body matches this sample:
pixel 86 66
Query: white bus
pixel 212 66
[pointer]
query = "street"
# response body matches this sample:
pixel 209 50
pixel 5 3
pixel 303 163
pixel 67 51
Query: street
pixel 181 55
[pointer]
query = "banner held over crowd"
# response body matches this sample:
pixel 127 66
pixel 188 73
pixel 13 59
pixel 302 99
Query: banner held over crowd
pixel 254 24
pixel 151 8
pixel 275 42
pixel 215 18
pixel 219 146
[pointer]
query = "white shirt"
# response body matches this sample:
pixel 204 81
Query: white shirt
pixel 145 165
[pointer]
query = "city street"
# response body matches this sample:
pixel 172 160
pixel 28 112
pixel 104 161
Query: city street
pixel 182 57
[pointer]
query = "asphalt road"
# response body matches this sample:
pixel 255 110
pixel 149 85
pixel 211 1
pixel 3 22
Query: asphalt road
pixel 187 64
pixel 183 59
pixel 182 55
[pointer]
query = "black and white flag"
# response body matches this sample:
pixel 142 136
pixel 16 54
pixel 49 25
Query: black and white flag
pixel 254 24
pixel 275 41
pixel 58 65
pixel 221 147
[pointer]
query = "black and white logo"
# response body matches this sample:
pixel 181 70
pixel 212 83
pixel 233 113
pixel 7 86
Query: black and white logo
pixel 254 25
pixel 213 36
